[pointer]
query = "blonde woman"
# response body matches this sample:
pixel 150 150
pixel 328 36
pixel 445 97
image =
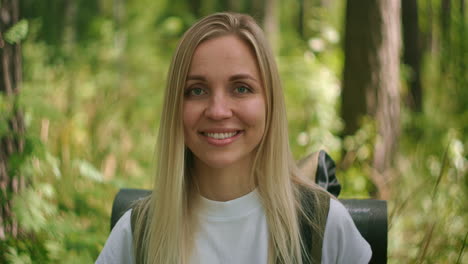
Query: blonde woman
pixel 227 189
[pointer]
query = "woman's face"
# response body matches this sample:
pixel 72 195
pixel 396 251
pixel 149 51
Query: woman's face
pixel 224 103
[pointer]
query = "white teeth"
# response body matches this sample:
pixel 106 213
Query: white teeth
pixel 220 135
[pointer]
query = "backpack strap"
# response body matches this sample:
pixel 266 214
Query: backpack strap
pixel 312 233
pixel 133 217
pixel 320 168
pixel 139 213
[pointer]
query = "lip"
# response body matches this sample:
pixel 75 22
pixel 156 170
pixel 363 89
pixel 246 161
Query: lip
pixel 221 142
pixel 219 130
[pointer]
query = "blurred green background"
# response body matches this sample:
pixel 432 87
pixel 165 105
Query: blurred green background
pixel 89 101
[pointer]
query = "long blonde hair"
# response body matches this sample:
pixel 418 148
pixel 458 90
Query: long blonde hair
pixel 164 232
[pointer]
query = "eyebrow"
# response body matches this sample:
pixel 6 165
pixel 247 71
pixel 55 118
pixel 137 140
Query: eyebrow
pixel 242 76
pixel 232 78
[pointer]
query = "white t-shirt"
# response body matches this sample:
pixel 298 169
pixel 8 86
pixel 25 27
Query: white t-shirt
pixel 236 232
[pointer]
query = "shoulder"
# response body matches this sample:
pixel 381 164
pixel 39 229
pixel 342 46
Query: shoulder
pixel 342 242
pixel 338 211
pixel 118 247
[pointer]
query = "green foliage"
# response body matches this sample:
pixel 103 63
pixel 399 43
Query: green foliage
pixel 428 213
pixel 88 171
pixel 17 32
pixel 92 95
pixel 357 164
pixel 32 209
pixel 14 257
pixel 312 91
pixel 428 209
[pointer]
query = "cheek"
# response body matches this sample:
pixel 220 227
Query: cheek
pixel 189 117
pixel 254 113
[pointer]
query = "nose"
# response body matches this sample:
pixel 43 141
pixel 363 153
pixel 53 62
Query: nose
pixel 219 107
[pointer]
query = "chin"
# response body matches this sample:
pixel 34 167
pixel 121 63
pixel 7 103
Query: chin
pixel 220 162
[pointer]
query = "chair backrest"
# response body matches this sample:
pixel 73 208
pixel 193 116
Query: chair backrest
pixel 370 217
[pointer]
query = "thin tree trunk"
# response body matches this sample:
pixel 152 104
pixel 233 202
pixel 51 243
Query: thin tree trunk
pixel 195 7
pixel 371 78
pixel 257 9
pixel 387 83
pixel 11 142
pixel 234 5
pixel 301 18
pixel 445 27
pixel 445 10
pixel 270 23
pixel 412 52
pixel 462 10
pixel 120 41
pixel 462 80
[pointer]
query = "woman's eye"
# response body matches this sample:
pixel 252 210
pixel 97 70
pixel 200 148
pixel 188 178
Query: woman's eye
pixel 196 92
pixel 242 89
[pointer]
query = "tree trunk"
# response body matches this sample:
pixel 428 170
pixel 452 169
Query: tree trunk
pixel 301 18
pixel 234 5
pixel 371 78
pixel 463 52
pixel 445 10
pixel 256 9
pixel 445 26
pixel 12 140
pixel 195 7
pixel 357 95
pixel 120 41
pixel 412 52
pixel 270 23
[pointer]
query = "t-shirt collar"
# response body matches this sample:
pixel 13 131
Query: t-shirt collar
pixel 238 207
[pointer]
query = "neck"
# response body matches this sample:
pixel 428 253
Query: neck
pixel 223 184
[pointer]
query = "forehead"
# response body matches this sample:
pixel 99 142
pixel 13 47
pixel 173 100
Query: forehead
pixel 226 52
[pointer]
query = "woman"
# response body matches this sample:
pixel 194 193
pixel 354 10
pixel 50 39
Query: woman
pixel 227 188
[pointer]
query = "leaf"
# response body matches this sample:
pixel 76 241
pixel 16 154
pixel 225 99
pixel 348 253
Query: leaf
pixel 54 164
pixel 33 210
pixel 14 257
pixel 47 190
pixel 17 32
pixel 89 171
pixel 173 25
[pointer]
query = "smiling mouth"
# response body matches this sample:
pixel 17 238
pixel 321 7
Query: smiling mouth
pixel 220 135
